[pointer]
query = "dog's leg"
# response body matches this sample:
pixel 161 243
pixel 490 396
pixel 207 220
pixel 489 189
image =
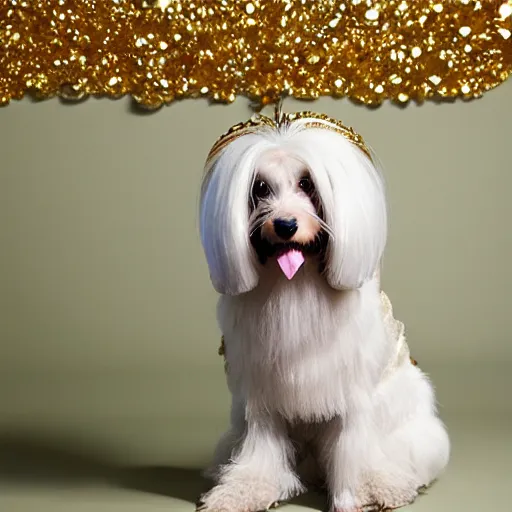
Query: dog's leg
pixel 412 456
pixel 225 447
pixel 230 440
pixel 410 446
pixel 259 473
pixel 343 446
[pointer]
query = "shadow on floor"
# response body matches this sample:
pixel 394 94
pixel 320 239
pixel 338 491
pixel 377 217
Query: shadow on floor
pixel 45 462
pixel 27 459
pixel 179 483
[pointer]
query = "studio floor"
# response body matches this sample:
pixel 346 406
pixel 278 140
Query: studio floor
pixel 479 478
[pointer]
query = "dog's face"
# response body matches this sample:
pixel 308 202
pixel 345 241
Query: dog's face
pixel 285 210
pixel 297 198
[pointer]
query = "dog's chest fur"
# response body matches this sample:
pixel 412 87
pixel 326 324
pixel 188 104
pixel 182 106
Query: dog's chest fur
pixel 294 347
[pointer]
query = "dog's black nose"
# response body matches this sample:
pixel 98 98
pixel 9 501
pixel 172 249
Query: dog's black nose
pixel 285 228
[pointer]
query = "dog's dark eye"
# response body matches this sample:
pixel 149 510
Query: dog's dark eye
pixel 260 190
pixel 306 185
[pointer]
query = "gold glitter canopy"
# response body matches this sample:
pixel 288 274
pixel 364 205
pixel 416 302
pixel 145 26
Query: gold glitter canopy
pixel 164 50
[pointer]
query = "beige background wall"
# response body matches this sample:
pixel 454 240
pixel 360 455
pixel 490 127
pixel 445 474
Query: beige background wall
pixel 107 317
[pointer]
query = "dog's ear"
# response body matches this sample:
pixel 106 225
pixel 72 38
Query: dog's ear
pixel 224 221
pixel 351 190
pixel 358 218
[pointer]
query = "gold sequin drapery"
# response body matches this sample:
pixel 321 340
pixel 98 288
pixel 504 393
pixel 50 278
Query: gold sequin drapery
pixel 163 50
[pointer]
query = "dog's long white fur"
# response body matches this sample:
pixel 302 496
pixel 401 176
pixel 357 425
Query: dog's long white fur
pixel 306 357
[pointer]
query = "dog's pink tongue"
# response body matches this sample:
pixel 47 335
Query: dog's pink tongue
pixel 290 262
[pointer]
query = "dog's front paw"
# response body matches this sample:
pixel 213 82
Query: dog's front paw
pixel 389 492
pixel 247 496
pixel 346 502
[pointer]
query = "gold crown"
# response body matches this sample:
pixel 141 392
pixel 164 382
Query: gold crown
pixel 281 119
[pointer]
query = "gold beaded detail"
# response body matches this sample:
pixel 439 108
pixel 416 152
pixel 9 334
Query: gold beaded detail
pixel 281 120
pixel 222 352
pixel 222 348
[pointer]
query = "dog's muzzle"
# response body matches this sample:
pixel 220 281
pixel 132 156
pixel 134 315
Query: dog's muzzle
pixel 290 255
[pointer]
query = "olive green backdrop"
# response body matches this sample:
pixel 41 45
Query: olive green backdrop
pixel 107 318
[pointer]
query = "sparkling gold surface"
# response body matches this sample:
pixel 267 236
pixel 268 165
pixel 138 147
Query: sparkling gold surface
pixel 162 50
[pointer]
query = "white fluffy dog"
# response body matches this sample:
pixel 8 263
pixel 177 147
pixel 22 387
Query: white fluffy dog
pixel 293 223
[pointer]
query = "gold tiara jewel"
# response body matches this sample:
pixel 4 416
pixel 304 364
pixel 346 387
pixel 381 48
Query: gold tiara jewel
pixel 281 120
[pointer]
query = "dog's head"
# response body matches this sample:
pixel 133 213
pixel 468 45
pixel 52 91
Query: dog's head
pixel 291 195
